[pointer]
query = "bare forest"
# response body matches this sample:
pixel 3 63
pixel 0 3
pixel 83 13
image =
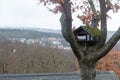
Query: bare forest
pixel 17 57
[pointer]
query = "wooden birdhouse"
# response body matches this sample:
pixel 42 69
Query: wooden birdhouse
pixel 87 36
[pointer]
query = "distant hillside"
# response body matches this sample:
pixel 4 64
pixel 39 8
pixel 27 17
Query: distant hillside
pixel 46 30
pixel 34 33
pixel 24 33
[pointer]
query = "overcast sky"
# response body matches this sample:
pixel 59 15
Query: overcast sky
pixel 26 13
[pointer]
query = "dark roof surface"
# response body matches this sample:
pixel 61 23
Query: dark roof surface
pixel 106 75
pixel 94 31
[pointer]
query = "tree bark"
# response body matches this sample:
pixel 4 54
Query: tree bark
pixel 66 25
pixel 108 46
pixel 87 59
pixel 87 70
pixel 103 24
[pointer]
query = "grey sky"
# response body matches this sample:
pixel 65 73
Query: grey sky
pixel 26 13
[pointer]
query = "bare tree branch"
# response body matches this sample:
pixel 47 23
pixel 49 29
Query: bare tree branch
pixel 66 24
pixel 106 48
pixel 103 23
pixel 92 6
pixel 109 45
pixel 96 19
pixel 108 8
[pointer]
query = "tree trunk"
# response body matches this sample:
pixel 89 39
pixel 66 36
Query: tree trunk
pixel 87 70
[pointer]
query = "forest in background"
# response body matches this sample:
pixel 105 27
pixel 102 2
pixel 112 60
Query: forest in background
pixel 17 57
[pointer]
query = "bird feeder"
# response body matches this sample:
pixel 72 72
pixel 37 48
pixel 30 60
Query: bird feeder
pixel 87 36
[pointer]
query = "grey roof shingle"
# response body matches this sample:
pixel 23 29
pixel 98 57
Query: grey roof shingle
pixel 106 75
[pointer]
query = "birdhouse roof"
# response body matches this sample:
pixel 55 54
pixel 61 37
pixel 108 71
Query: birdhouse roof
pixel 94 31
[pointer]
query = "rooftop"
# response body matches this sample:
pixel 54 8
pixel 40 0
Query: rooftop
pixel 94 31
pixel 104 75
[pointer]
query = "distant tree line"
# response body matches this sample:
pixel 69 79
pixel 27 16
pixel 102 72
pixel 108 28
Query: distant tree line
pixel 16 57
pixel 21 33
